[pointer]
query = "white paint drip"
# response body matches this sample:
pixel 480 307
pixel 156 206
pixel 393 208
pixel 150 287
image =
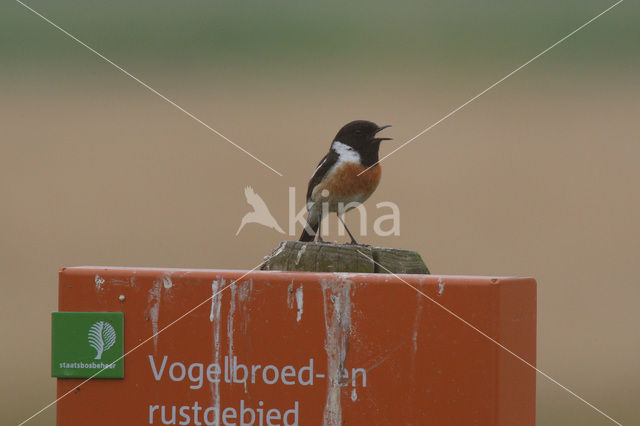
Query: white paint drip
pixel 354 395
pixel 244 297
pixel 300 253
pixel 416 324
pixel 214 289
pixel 337 320
pixel 99 281
pixel 166 281
pixel 279 249
pixel 244 292
pixel 440 285
pixel 153 309
pixel 299 303
pixel 232 311
pixel 214 317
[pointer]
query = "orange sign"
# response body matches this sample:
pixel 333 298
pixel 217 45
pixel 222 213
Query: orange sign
pixel 281 348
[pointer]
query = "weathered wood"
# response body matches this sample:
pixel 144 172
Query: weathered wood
pixel 324 257
pixel 398 261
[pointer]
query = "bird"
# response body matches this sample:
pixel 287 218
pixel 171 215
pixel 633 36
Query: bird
pixel 345 177
pixel 260 213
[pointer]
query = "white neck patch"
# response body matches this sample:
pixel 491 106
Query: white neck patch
pixel 346 154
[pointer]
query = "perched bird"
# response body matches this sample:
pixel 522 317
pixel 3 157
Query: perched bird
pixel 339 181
pixel 260 213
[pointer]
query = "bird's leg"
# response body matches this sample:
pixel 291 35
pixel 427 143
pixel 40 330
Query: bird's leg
pixel 320 240
pixel 353 240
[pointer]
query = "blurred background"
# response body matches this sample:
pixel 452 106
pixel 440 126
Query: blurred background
pixel 539 177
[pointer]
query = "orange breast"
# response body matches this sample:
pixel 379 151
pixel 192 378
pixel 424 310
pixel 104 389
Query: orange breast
pixel 345 185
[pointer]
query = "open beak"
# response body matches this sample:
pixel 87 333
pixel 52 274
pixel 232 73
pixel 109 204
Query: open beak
pixel 381 128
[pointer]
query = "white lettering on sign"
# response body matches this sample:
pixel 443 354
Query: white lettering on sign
pixel 229 416
pixel 231 371
pixel 234 372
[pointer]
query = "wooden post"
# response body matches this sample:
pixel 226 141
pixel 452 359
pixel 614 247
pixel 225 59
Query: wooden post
pixel 323 257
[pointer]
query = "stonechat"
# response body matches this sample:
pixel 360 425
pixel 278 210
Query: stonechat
pixel 346 177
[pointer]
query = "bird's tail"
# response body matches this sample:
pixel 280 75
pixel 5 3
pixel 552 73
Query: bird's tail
pixel 311 228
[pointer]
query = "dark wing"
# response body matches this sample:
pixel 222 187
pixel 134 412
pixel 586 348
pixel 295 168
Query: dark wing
pixel 323 167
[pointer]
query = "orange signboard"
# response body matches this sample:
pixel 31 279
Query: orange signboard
pixel 285 348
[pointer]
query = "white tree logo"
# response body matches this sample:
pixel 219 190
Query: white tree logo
pixel 101 337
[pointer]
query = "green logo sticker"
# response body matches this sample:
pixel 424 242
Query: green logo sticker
pixel 84 343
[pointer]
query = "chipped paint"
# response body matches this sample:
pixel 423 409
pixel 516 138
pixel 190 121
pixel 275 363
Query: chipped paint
pixel 153 309
pixel 337 320
pixel 290 295
pixel 441 284
pixel 299 303
pixel 99 281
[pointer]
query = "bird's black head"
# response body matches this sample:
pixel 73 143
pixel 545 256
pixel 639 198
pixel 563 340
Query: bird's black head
pixel 361 136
